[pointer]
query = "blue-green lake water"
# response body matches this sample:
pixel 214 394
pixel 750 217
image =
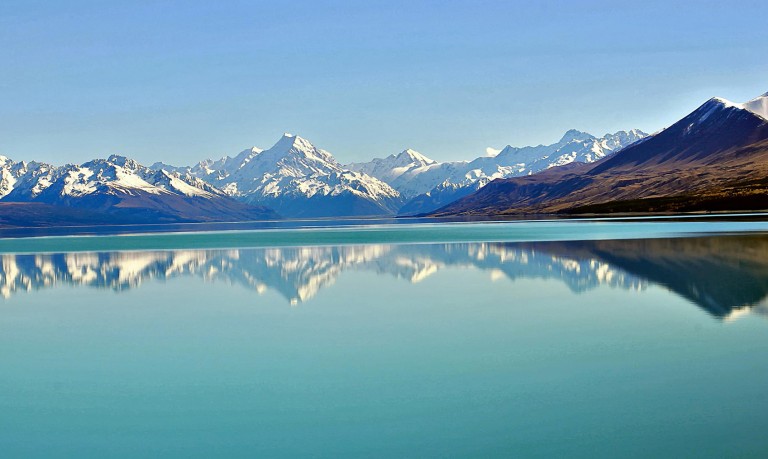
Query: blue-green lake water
pixel 519 339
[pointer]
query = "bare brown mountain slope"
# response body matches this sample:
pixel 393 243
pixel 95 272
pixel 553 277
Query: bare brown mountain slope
pixel 716 158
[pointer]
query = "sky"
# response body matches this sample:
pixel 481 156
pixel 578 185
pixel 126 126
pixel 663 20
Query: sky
pixel 180 81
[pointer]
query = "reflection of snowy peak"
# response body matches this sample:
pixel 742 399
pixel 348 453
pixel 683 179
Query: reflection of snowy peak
pixel 299 273
pixel 722 275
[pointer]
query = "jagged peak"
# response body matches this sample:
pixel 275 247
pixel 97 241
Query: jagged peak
pixel 574 134
pixel 117 158
pixel 289 140
pixel 414 156
pixel 294 145
pixel 123 161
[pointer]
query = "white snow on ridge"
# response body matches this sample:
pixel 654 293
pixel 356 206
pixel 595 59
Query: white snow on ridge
pixel 22 182
pixel 414 175
pixel 757 106
pixel 296 174
pixel 292 169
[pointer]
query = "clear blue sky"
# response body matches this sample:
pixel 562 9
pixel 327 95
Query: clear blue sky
pixel 179 81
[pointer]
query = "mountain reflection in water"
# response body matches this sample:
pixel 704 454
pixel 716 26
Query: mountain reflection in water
pixel 724 275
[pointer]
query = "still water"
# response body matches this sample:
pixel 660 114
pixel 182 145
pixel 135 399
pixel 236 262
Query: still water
pixel 613 346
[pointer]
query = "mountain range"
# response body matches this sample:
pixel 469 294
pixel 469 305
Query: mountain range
pixel 112 190
pixel 715 158
pixel 296 179
pixel 427 184
pixel 712 159
pixel 291 179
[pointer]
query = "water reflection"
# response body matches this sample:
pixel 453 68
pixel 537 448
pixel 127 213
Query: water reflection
pixel 725 275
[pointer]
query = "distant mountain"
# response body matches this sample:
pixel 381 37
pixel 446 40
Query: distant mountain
pixel 439 196
pixel 401 171
pixel 716 158
pixel 291 179
pixel 713 159
pixel 298 180
pixel 116 189
pixel 429 185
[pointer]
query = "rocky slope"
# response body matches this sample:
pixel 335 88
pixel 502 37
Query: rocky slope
pixel 715 158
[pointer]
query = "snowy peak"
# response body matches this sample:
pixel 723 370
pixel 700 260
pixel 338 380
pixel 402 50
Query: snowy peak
pixel 289 140
pixel 393 166
pixel 297 154
pixel 410 157
pixel 291 144
pixel 125 163
pixel 758 106
pixel 116 175
pixel 298 180
pixel 575 135
pixel 10 173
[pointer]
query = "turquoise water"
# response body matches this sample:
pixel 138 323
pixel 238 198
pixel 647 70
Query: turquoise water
pixel 386 342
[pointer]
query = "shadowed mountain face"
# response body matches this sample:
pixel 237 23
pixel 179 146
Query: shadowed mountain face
pixel 722 275
pixel 716 158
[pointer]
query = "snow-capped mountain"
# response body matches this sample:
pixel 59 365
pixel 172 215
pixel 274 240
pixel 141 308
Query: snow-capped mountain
pixel 10 172
pixel 714 158
pixel 397 170
pixel 430 184
pixel 122 187
pixel 293 178
pixel 298 179
pixel 758 105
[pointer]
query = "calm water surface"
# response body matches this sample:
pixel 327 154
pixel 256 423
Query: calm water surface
pixel 347 343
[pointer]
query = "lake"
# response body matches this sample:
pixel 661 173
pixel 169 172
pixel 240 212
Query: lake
pixel 582 338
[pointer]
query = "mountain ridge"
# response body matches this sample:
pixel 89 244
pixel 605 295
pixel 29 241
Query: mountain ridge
pixel 714 151
pixel 704 159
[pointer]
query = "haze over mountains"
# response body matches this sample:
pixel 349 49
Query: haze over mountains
pixel 716 158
